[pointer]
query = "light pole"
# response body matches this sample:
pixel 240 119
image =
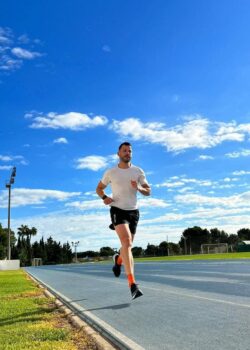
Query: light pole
pixel 8 185
pixel 75 244
pixel 185 244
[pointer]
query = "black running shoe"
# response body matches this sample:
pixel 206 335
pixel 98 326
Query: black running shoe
pixel 135 291
pixel 116 268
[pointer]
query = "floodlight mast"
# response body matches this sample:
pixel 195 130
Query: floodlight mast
pixel 75 245
pixel 8 185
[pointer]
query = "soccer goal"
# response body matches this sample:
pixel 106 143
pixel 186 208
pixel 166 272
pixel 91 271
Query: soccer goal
pixel 37 262
pixel 214 248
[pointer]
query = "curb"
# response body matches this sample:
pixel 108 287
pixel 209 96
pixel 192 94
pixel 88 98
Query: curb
pixel 77 322
pixel 105 336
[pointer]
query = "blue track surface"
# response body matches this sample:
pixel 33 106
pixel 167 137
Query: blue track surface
pixel 186 305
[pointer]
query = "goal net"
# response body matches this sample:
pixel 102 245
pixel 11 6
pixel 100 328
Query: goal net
pixel 214 248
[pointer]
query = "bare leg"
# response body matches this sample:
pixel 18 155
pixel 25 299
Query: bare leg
pixel 126 239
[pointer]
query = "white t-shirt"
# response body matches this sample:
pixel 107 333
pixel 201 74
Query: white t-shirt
pixel 123 194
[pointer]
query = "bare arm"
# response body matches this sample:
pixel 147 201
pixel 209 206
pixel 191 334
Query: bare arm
pixel 100 191
pixel 144 189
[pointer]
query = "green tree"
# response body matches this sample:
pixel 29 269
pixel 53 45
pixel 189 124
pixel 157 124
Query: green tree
pixel 174 248
pixel 106 251
pixel 244 234
pixel 43 251
pixel 195 236
pixel 233 241
pixel 3 243
pixel 151 250
pixel 67 254
pixel 218 236
pixel 4 233
pixel 164 248
pixel 53 250
pixel 137 251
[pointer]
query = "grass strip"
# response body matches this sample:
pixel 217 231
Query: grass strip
pixel 219 256
pixel 30 321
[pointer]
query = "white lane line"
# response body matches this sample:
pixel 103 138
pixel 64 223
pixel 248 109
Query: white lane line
pixel 197 279
pixel 193 296
pixel 238 274
pixel 168 291
pixel 187 295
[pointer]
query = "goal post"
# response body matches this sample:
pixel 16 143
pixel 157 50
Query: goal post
pixel 37 262
pixel 214 248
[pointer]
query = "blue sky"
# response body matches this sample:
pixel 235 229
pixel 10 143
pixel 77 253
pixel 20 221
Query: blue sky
pixel 78 78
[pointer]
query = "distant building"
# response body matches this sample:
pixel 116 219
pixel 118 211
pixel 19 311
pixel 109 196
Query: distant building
pixel 244 246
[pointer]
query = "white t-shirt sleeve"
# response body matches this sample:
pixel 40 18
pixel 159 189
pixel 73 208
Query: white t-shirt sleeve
pixel 106 178
pixel 142 178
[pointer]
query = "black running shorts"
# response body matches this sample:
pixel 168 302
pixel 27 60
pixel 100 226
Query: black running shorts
pixel 120 216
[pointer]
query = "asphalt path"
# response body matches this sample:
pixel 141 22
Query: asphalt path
pixel 190 305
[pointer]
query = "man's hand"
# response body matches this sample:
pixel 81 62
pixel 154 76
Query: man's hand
pixel 108 200
pixel 143 189
pixel 134 184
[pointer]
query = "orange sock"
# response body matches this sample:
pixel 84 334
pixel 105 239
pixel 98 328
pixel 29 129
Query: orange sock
pixel 119 260
pixel 131 279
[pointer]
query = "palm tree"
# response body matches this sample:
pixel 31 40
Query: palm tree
pixel 25 231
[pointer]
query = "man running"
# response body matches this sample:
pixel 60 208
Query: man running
pixel 125 180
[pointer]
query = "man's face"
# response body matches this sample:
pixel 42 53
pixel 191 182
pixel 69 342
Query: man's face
pixel 125 153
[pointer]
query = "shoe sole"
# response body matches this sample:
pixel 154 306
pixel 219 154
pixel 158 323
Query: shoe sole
pixel 114 256
pixel 137 294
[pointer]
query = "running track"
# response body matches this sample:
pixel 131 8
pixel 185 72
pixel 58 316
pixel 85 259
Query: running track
pixel 190 305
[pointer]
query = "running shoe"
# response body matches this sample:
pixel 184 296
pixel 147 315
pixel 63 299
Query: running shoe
pixel 116 268
pixel 135 291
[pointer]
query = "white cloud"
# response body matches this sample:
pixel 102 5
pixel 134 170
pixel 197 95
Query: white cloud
pixel 238 200
pixel 24 196
pixel 11 55
pixel 9 64
pixel 90 229
pixel 5 167
pixel 241 172
pixel 152 203
pixel 5 158
pixel 94 162
pixel 242 153
pixel 205 157
pixel 95 204
pixel 25 54
pixel 61 140
pixel 179 181
pixel 15 159
pixel 5 36
pixel 196 132
pixel 71 120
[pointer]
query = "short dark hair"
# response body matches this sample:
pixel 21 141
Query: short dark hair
pixel 124 144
